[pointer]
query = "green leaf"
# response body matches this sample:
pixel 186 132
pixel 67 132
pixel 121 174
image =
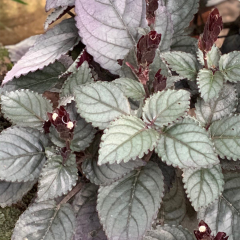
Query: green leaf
pixel 45 220
pixel 57 178
pixel 173 207
pixel 88 224
pixel 55 138
pixel 167 232
pixel 224 214
pixel 127 207
pixel 81 76
pixel 83 136
pixel 171 81
pixel 185 64
pixel 100 103
pixel 26 108
pixel 165 107
pixel 184 44
pixel 11 193
pixel 164 25
pixel 19 1
pixel 203 186
pixel 210 83
pixel 217 108
pixel 39 81
pixel 131 88
pixel 21 154
pixel 229 64
pixel 213 57
pixel 185 145
pixel 181 16
pixel 108 173
pixel 125 139
pixel 225 134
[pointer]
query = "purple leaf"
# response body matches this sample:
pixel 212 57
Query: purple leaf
pixel 211 31
pixel 55 15
pixel 48 48
pixel 109 28
pixel 18 50
pixel 58 3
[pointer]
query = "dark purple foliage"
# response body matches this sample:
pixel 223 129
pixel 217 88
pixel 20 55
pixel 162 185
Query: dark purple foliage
pixel 152 6
pixel 211 31
pixel 204 233
pixel 61 121
pixel 85 56
pixel 160 81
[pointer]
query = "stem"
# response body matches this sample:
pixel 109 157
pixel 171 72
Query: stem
pixel 146 90
pixel 71 14
pixel 73 192
pixel 205 60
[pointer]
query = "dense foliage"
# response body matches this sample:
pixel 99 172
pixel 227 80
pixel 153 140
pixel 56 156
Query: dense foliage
pixel 118 154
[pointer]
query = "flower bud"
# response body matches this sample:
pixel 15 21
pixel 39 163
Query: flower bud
pixel 70 125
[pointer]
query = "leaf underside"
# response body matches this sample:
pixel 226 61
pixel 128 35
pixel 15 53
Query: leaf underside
pixel 47 48
pixel 58 3
pixel 110 38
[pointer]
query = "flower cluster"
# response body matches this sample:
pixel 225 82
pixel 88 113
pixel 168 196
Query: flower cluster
pixel 204 233
pixel 61 121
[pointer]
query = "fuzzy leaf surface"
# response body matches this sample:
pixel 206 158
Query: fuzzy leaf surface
pixel 88 224
pixel 210 84
pixel 127 207
pixel 184 43
pixel 165 107
pixel 213 57
pixel 217 108
pixel 225 134
pixel 12 192
pixel 131 88
pixel 16 51
pixel 224 214
pixel 112 32
pixel 57 178
pixel 100 103
pixel 47 48
pixel 167 232
pixel 185 64
pixel 203 186
pixel 164 25
pixel 22 154
pixel 108 173
pixel 229 64
pixel 83 136
pixel 45 221
pixel 39 81
pixel 81 76
pixel 126 138
pixel 58 3
pixel 182 13
pixel 25 108
pixel 173 207
pixel 54 16
pixel 186 145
